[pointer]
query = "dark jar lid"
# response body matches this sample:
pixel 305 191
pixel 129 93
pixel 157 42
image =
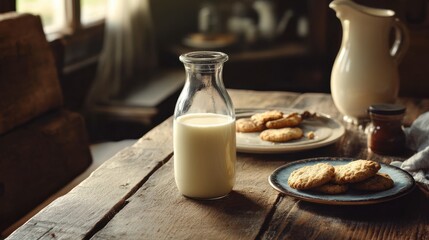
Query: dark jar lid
pixel 386 109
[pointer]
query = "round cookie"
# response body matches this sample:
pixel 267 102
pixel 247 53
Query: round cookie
pixel 247 125
pixel 311 176
pixel 262 118
pixel 379 182
pixel 291 120
pixel 281 135
pixel 355 171
pixel 332 188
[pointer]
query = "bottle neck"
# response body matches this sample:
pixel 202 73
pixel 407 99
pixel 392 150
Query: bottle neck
pixel 204 75
pixel 204 66
pixel 204 91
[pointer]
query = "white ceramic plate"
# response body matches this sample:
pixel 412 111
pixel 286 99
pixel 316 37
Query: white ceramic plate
pixel 403 184
pixel 326 130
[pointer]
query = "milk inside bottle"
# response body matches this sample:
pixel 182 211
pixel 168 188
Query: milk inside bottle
pixel 204 155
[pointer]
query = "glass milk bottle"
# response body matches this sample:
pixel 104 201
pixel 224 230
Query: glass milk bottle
pixel 204 129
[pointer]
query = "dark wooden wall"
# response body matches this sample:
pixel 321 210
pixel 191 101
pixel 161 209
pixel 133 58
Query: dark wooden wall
pixel 323 40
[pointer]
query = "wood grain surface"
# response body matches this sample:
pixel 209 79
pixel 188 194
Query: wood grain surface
pixel 134 196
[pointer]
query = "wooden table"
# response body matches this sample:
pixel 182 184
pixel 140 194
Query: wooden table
pixel 134 196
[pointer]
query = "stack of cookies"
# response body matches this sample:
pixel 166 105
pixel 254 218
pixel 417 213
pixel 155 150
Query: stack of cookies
pixel 274 125
pixel 325 178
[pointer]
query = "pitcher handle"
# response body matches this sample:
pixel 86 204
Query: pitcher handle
pixel 402 41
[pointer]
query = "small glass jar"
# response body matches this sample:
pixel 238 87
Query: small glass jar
pixel 385 133
pixel 204 129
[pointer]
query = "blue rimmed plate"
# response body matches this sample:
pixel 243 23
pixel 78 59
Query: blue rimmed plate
pixel 403 184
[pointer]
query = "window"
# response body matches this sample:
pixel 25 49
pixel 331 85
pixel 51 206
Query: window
pixel 79 23
pixel 52 12
pixel 93 11
pixel 64 15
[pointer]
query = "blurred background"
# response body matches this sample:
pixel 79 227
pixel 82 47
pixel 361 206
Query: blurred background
pixel 118 61
pixel 117 64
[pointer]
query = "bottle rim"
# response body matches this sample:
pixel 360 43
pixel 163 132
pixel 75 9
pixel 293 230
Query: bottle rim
pixel 204 57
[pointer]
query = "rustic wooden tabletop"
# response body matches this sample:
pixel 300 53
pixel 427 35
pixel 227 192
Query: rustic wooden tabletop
pixel 134 196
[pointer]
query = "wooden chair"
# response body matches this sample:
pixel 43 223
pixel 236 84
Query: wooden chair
pixel 42 145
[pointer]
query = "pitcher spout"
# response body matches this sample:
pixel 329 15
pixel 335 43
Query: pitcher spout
pixel 346 7
pixel 339 4
pixel 340 7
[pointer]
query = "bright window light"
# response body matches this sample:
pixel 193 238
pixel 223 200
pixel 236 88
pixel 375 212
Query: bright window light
pixel 93 10
pixel 52 12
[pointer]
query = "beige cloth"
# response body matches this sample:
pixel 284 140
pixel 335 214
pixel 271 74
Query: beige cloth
pixel 418 140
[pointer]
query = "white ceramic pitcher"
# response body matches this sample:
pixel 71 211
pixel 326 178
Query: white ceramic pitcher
pixel 365 69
